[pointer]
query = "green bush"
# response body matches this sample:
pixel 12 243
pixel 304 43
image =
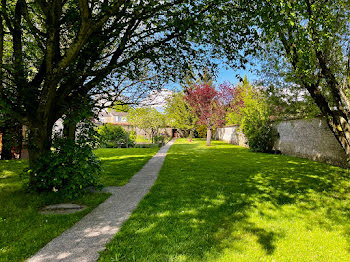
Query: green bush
pixel 132 136
pixel 69 169
pixel 256 124
pixel 261 137
pixel 201 131
pixel 146 145
pixel 114 136
pixel 159 139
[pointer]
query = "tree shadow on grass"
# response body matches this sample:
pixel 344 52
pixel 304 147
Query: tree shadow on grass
pixel 117 172
pixel 207 200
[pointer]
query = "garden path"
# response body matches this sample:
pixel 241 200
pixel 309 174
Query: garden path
pixel 89 236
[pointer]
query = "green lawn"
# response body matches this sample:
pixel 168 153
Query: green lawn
pixel 120 164
pixel 224 203
pixel 23 231
pixel 142 139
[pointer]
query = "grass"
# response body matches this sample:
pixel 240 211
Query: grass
pixel 23 230
pixel 142 139
pixel 225 203
pixel 120 164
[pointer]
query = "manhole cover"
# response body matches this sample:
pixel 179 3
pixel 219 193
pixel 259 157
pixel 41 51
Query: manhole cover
pixel 66 208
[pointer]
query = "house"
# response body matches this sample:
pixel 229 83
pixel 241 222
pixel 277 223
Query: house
pixel 113 117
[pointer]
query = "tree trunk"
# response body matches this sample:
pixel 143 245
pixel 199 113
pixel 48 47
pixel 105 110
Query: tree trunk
pixel 337 121
pixel 6 144
pixel 191 134
pixel 20 141
pixel 336 118
pixel 40 141
pixel 69 130
pixel 208 136
pixel 11 138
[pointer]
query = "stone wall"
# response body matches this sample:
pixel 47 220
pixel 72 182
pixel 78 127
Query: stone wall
pixel 140 132
pixel 232 135
pixel 303 138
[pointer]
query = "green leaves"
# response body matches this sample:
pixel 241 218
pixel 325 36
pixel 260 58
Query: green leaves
pixel 148 119
pixel 252 112
pixel 178 112
pixel 69 169
pixel 114 136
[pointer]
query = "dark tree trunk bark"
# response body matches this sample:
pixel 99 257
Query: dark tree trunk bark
pixel 20 141
pixel 208 136
pixel 6 153
pixel 337 118
pixel 40 141
pixel 11 139
pixel 69 130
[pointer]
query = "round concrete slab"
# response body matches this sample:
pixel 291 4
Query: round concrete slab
pixel 88 237
pixel 65 208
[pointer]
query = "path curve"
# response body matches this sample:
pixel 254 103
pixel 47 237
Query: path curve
pixel 86 238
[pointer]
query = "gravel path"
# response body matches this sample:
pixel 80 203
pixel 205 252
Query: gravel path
pixel 90 235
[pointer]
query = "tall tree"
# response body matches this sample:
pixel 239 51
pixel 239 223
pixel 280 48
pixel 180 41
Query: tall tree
pixel 179 113
pixel 312 37
pixel 61 50
pixel 207 106
pixel 147 119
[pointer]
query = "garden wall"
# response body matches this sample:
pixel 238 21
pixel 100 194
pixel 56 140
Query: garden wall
pixel 232 135
pixel 303 138
pixel 140 132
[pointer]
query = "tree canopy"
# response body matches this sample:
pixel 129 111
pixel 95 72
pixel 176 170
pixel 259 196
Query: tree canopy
pixel 55 53
pixel 209 104
pixel 179 113
pixel 148 119
pixel 310 43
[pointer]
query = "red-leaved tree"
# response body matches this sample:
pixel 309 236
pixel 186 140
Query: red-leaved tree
pixel 210 104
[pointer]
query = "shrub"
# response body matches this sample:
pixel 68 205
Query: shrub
pixel 159 139
pixel 261 136
pixel 132 136
pixel 256 124
pixel 114 136
pixel 69 169
pixel 146 145
pixel 251 110
pixel 201 131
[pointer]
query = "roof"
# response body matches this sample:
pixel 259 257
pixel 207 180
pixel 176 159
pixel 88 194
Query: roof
pixel 122 124
pixel 114 113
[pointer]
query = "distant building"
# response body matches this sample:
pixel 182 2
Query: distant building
pixel 113 117
pixel 155 99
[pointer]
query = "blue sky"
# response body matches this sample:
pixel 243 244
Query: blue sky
pixel 227 74
pixel 230 75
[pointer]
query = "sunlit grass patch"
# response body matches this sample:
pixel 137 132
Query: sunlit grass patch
pixel 142 139
pixel 23 230
pixel 120 164
pixel 225 203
